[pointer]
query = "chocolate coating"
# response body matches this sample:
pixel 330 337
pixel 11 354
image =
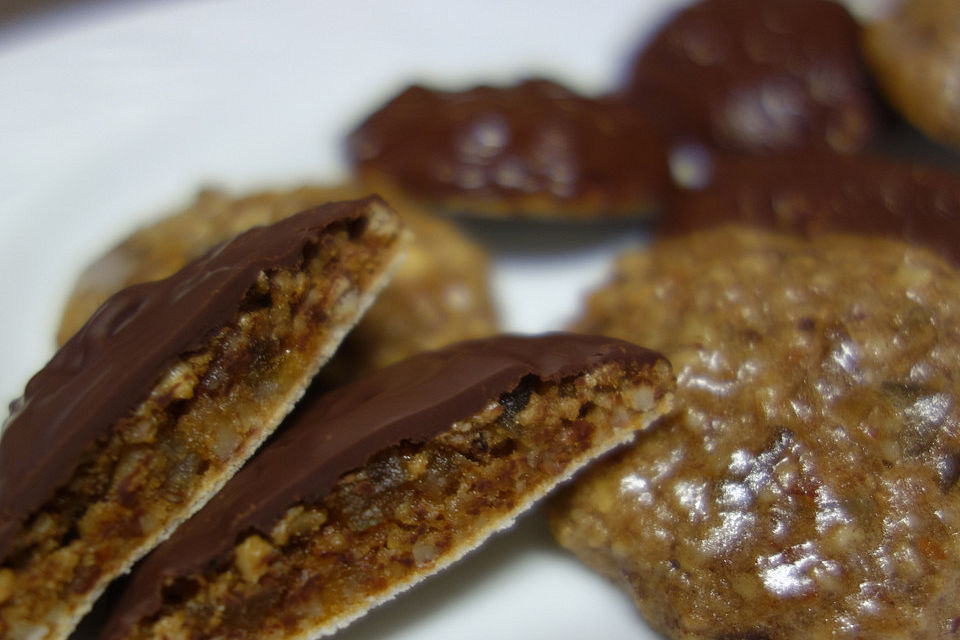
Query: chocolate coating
pixel 535 148
pixel 331 434
pixel 113 362
pixel 759 76
pixel 811 193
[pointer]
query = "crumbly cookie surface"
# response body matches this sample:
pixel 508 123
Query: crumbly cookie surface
pixel 807 486
pixel 440 293
pixel 168 389
pixel 388 479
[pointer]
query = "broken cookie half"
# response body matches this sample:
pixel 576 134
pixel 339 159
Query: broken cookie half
pixel 374 486
pixel 145 413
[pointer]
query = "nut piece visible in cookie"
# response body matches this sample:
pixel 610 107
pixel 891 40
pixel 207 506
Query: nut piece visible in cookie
pixel 439 294
pixel 163 394
pixel 806 485
pixel 533 150
pixel 758 76
pixel 915 57
pixel 384 481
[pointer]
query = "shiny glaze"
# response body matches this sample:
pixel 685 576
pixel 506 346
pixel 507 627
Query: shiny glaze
pixel 536 142
pixel 758 75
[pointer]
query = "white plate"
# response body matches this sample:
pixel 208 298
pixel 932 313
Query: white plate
pixel 113 114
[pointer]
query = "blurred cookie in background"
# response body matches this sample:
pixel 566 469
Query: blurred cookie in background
pixel 813 192
pixel 914 54
pixel 534 150
pixel 758 76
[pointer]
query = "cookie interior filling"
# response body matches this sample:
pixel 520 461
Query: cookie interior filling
pixel 207 412
pixel 412 509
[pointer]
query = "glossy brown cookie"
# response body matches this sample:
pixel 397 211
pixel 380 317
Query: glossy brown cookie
pixel 758 76
pixel 807 485
pixel 163 394
pixel 382 482
pixel 534 150
pixel 915 57
pixel 439 295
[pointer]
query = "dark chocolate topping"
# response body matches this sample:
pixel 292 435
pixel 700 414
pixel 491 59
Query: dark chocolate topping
pixel 504 144
pixel 759 75
pixel 331 434
pixel 114 361
pixel 811 193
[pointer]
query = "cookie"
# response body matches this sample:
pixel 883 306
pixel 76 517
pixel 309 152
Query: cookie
pixel 811 193
pixel 758 76
pixel 914 54
pixel 144 413
pixel 374 486
pixel 439 295
pixel 532 150
pixel 807 485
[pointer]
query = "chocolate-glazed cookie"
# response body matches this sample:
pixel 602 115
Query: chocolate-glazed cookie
pixel 758 76
pixel 811 193
pixel 160 397
pixel 915 57
pixel 375 485
pixel 439 294
pixel 807 485
pixel 535 150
